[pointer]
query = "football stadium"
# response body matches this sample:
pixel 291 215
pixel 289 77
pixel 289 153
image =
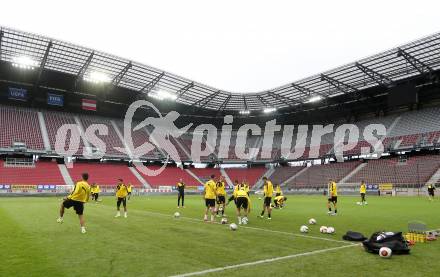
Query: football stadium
pixel 113 167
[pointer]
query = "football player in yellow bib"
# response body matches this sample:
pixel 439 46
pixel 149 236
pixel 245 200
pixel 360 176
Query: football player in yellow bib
pixel 242 203
pixel 121 195
pixel 209 194
pixel 333 197
pixel 221 196
pixel 363 191
pixel 129 189
pixel 76 199
pixel 268 193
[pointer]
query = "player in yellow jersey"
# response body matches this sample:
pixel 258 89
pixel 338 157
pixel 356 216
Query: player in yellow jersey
pixel 242 204
pixel 129 189
pixel 233 196
pixel 181 193
pixel 279 201
pixel 121 195
pixel 221 196
pixel 268 193
pixel 247 189
pixel 209 194
pixel 278 191
pixel 95 190
pixel 76 199
pixel 363 191
pixel 333 197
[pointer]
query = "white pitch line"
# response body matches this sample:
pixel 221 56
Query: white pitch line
pixel 252 228
pixel 270 260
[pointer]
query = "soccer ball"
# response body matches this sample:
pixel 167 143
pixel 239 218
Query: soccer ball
pixel 312 221
pixel 224 220
pixel 244 220
pixel 176 214
pixel 233 226
pixel 304 229
pixel 385 252
pixel 330 230
pixel 358 203
pixel 323 229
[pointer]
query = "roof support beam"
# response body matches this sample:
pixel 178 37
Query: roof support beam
pixel 306 91
pixel 205 100
pixel 379 78
pixel 43 64
pixel 225 103
pixel 261 99
pixel 148 87
pixel 183 90
pixel 83 70
pixel 283 99
pixel 416 63
pixel 245 103
pixel 121 74
pixel 345 88
pixel 1 39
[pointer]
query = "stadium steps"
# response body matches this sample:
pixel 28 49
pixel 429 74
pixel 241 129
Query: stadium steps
pixel 435 179
pixel 294 176
pixel 81 132
pixel 354 171
pixel 65 174
pixel 44 131
pixel 194 176
pixel 141 179
pixel 121 137
pixel 267 174
pixel 225 174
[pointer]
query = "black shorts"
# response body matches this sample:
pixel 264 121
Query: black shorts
pixel 278 194
pixel 242 202
pixel 333 199
pixel 210 203
pixel 267 201
pixel 431 193
pixel 221 199
pixel 122 200
pixel 77 206
pixel 129 193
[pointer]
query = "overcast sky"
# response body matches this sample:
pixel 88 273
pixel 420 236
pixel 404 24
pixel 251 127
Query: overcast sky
pixel 238 46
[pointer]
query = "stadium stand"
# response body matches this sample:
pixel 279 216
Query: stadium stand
pixel 415 171
pixel 111 140
pixel 204 173
pixel 249 174
pixel 281 174
pixel 54 120
pixel 41 173
pixel 318 175
pixel 20 125
pixel 104 174
pixel 169 177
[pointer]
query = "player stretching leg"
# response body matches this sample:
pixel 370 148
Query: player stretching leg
pixel 268 193
pixel 121 195
pixel 76 199
pixel 333 197
pixel 242 202
pixel 209 195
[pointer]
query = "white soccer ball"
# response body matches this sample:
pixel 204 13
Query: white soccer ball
pixel 312 221
pixel 304 229
pixel 323 229
pixel 358 203
pixel 176 214
pixel 385 252
pixel 244 220
pixel 233 226
pixel 330 230
pixel 224 220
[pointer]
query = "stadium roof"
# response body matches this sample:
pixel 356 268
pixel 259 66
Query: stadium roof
pixel 418 57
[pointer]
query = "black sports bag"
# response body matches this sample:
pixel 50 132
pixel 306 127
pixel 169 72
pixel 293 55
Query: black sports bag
pixel 394 241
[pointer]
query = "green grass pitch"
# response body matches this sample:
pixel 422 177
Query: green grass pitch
pixel 150 242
